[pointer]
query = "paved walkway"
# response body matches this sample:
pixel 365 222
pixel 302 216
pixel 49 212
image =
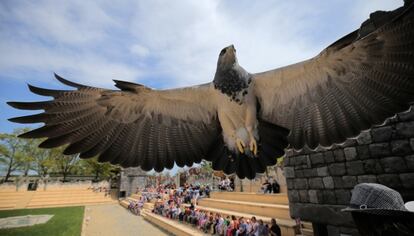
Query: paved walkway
pixel 109 220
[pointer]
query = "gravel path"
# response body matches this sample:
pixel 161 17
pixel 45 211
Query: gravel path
pixel 109 220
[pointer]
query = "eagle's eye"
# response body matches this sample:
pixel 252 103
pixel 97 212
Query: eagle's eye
pixel 222 52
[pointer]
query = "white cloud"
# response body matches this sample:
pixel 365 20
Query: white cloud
pixel 68 22
pixel 85 68
pixel 168 43
pixel 140 50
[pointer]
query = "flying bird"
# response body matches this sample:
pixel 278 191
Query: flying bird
pixel 241 121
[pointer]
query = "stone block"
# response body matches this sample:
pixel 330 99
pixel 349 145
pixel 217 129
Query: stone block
pixel 290 184
pixel 289 172
pixel 300 160
pixel 390 180
pixel 301 167
pixel 315 196
pixel 349 181
pixel 316 183
pixel 350 153
pixel 363 152
pixel 364 138
pixel 328 182
pixel 329 156
pixel 405 130
pixel 303 196
pixel 407 180
pixel 337 169
pixel 343 196
pixel 299 173
pixel 322 171
pixel 400 147
pixel 328 197
pixel 409 160
pixel 355 168
pixel 412 143
pixel 367 179
pixel 293 196
pixel 309 173
pixel 339 155
pixel 372 166
pixel 286 160
pixel 316 158
pixel 379 149
pixel 301 183
pixel 338 181
pixel 348 143
pixel 406 116
pixel 381 134
pixel 393 164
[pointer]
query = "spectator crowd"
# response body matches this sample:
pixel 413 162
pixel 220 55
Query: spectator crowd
pixel 181 205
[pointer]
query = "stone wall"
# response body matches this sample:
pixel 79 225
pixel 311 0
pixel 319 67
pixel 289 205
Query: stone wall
pixel 319 182
pixel 131 179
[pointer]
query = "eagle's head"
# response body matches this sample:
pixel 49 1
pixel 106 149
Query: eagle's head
pixel 227 58
pixel 230 78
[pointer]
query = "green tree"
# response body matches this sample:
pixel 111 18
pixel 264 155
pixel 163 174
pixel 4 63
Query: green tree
pixel 64 164
pixel 31 152
pixel 99 170
pixel 13 152
pixel 45 161
pixel 206 167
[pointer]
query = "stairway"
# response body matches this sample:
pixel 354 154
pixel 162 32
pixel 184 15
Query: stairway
pixel 51 198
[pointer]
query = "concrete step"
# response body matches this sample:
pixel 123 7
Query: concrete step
pixel 280 198
pixel 45 194
pixel 307 232
pixel 171 226
pixel 136 196
pixel 279 211
pixel 7 206
pixel 69 204
pixel 307 229
pixel 149 206
pixel 124 203
pixel 67 197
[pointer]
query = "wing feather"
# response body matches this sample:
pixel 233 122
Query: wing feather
pixel 355 83
pixel 134 126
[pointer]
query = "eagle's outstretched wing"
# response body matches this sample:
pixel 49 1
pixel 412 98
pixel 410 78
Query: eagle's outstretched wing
pixel 359 81
pixel 134 126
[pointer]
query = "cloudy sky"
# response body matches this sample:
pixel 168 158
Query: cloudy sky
pixel 162 44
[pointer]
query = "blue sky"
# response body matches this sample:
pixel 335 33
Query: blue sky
pixel 162 44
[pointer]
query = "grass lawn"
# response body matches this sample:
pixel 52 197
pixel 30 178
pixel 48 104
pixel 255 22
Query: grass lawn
pixel 67 221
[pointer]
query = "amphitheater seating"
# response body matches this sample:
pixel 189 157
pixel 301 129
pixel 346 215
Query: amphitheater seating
pixel 279 211
pixel 262 206
pixel 9 198
pixel 51 198
pixel 248 197
pixel 171 226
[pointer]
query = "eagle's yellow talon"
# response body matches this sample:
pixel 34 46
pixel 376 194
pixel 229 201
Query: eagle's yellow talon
pixel 240 145
pixel 253 146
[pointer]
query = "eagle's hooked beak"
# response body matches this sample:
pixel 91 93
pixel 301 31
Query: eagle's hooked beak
pixel 228 56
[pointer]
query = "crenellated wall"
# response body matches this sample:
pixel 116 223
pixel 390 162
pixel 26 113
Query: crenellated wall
pixel 319 182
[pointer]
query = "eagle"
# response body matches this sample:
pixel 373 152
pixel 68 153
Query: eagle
pixel 241 122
